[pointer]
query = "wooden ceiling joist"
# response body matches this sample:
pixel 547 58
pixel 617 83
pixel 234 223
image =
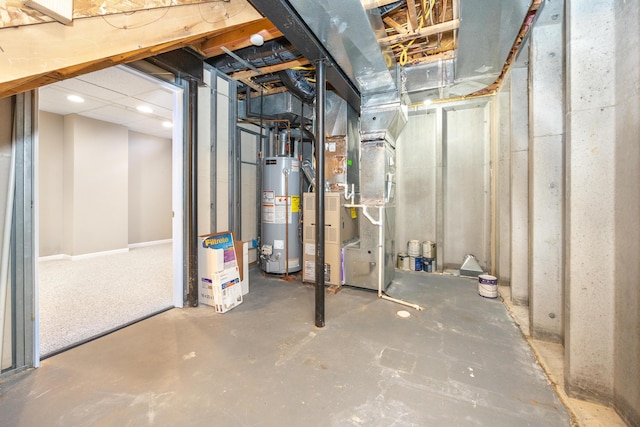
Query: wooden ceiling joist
pixel 71 50
pixel 393 24
pixel 238 37
pixel 247 74
pixel 412 15
pixel 423 32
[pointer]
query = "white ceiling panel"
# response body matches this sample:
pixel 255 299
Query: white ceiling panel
pixel 112 95
pixel 119 80
pixel 54 100
pixel 113 114
pixel 158 97
pixel 133 103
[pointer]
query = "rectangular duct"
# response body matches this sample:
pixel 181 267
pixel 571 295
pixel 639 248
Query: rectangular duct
pixel 282 106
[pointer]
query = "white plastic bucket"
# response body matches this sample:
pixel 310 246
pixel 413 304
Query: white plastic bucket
pixel 487 286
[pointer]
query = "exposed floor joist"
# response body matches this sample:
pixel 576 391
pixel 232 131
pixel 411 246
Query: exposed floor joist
pixel 238 37
pixel 93 43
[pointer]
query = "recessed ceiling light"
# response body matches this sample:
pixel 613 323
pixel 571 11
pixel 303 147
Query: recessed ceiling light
pixel 145 109
pixel 426 102
pixel 75 98
pixel 167 124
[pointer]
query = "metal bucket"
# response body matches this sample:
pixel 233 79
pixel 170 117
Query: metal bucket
pixel 428 264
pixel 429 249
pixel 401 257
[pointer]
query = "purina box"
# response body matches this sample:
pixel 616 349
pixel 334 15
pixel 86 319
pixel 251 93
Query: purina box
pixel 218 273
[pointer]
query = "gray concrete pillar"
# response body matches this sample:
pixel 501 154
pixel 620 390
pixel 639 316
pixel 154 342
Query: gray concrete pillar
pixel 501 107
pixel 546 177
pixel 519 186
pixel 627 210
pixel 590 214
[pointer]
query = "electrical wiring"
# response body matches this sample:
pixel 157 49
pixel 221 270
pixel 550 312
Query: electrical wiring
pixel 426 14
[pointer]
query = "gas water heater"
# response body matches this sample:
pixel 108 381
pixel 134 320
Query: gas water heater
pixel 280 245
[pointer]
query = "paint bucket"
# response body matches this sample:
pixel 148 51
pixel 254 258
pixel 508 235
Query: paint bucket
pixel 412 263
pixel 413 248
pixel 487 286
pixel 401 257
pixel 429 249
pixel 428 264
pixel 417 264
pixel 406 263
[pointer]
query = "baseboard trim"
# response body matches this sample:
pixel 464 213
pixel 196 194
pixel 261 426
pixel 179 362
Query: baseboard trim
pixel 52 257
pixel 151 243
pixel 98 254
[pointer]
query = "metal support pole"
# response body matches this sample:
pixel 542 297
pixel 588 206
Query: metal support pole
pixel 319 154
pixel 192 193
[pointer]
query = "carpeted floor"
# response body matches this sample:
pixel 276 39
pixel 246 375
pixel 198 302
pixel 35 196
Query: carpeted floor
pixel 85 298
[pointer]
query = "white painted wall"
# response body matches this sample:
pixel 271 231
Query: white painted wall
pixel 149 188
pixel 118 192
pixel 95 186
pixel 50 182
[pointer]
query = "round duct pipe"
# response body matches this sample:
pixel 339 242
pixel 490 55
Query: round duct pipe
pixel 297 84
pixel 272 52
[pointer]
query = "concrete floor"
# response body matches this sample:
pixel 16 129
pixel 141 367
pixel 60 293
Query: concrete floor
pixel 460 362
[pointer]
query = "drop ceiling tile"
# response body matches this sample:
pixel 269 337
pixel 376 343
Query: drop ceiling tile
pixel 119 80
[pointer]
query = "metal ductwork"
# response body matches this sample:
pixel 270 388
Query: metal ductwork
pixel 279 106
pixel 349 34
pixel 484 42
pixel 270 53
pixel 297 83
pixel 383 123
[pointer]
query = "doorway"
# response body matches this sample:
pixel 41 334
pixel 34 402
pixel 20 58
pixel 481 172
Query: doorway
pixel 109 234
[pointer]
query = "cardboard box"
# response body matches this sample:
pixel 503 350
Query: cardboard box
pixel 221 291
pixel 242 253
pixel 218 272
